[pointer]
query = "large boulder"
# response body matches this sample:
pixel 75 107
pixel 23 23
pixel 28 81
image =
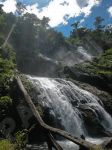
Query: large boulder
pixel 93 79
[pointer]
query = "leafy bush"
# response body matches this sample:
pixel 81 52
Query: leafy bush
pixel 5 101
pixel 21 137
pixel 6 69
pixel 6 77
pixel 6 145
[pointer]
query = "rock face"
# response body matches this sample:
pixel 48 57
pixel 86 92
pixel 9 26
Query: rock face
pixel 43 66
pixel 92 79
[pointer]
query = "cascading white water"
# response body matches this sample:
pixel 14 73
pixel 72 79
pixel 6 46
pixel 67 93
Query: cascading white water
pixel 64 100
pixel 85 54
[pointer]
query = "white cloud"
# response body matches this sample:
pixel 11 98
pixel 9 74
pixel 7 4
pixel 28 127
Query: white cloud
pixel 9 6
pixel 82 20
pixel 110 11
pixel 58 13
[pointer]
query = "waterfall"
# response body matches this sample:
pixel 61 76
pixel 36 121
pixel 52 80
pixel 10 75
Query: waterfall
pixel 86 55
pixel 65 100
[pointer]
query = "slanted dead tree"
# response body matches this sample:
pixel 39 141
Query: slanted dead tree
pixel 85 145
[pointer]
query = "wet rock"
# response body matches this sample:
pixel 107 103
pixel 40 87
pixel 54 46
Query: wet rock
pixel 37 147
pixel 92 79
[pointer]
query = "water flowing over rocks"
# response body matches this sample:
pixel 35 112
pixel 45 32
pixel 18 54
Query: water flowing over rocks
pixel 71 107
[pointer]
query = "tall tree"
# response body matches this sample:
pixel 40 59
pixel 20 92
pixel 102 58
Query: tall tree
pixel 1 10
pixel 75 26
pixel 98 23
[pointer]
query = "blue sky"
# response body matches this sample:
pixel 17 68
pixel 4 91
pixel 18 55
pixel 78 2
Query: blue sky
pixel 100 10
pixel 42 3
pixel 63 13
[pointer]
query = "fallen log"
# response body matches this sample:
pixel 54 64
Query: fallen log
pixel 82 143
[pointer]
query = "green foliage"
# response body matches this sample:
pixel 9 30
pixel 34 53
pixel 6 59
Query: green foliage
pixel 41 38
pixel 75 41
pixel 6 68
pixel 5 105
pixel 102 35
pixel 101 65
pixel 5 73
pixel 30 37
pixel 20 139
pixel 6 22
pixel 27 45
pixel 7 58
pixel 5 101
pixel 1 39
pixel 6 145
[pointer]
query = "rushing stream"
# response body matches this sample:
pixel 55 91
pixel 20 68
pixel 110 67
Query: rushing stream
pixel 64 99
